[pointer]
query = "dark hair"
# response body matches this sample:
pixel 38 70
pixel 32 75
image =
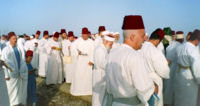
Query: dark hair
pixel 195 35
pixel 155 36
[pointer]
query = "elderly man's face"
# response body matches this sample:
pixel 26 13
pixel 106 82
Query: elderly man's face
pixel 139 38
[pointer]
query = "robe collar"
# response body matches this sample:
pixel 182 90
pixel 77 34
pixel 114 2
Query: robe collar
pixel 127 46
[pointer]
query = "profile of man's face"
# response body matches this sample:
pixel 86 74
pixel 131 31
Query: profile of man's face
pixel 139 38
pixel 37 36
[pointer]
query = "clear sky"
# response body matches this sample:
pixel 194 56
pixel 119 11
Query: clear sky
pixel 27 16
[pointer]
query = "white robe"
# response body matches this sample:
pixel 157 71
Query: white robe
pixel 4 99
pixel 168 86
pixel 30 45
pixel 98 41
pixel 157 66
pixel 54 72
pixel 82 81
pixel 187 80
pixel 98 74
pixel 161 47
pixel 17 85
pixel 126 76
pixel 43 57
pixel 68 68
pixel 20 44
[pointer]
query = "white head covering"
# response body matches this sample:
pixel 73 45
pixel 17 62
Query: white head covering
pixel 116 33
pixel 179 36
pixel 105 33
pixel 109 38
pixel 31 37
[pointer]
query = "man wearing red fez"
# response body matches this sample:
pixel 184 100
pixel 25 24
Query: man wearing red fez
pixel 187 76
pixel 157 63
pixel 171 55
pixel 127 79
pixel 31 95
pixel 54 74
pixel 43 56
pixel 16 76
pixel 63 34
pixel 66 49
pixel 98 38
pixel 83 49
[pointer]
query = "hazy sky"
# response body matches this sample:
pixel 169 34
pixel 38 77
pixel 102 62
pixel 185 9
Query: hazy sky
pixel 27 16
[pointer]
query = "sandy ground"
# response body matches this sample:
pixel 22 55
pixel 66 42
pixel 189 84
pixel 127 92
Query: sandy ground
pixel 58 95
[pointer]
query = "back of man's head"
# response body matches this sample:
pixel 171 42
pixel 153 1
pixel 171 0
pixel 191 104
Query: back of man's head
pixel 195 35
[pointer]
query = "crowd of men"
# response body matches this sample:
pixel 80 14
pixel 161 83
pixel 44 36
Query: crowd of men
pixel 159 69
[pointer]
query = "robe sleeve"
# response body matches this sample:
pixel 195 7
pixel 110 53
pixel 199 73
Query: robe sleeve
pixel 195 65
pixel 41 46
pixel 6 57
pixel 140 78
pixel 92 52
pixel 160 64
pixel 74 48
pixel 100 57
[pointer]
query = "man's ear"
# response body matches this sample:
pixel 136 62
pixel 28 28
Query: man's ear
pixel 132 37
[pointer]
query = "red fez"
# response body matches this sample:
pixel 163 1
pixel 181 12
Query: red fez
pixel 10 34
pixel 70 34
pixel 75 37
pixel 133 22
pixel 189 33
pixel 45 33
pixel 38 32
pixel 84 30
pixel 63 31
pixel 160 33
pixel 89 32
pixel 29 53
pixel 179 32
pixel 173 32
pixel 102 28
pixel 56 35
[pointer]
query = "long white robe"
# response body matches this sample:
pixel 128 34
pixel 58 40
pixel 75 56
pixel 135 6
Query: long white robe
pixel 157 66
pixel 126 76
pixel 54 71
pixel 171 55
pixel 4 99
pixel 30 45
pixel 98 41
pixel 161 47
pixel 187 79
pixel 17 85
pixel 43 57
pixel 20 44
pixel 98 75
pixel 82 81
pixel 68 68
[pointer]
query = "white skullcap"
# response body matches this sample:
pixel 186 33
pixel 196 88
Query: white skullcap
pixel 31 37
pixel 116 33
pixel 105 33
pixel 109 38
pixel 179 36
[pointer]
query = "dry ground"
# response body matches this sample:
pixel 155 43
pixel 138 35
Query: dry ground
pixel 59 95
